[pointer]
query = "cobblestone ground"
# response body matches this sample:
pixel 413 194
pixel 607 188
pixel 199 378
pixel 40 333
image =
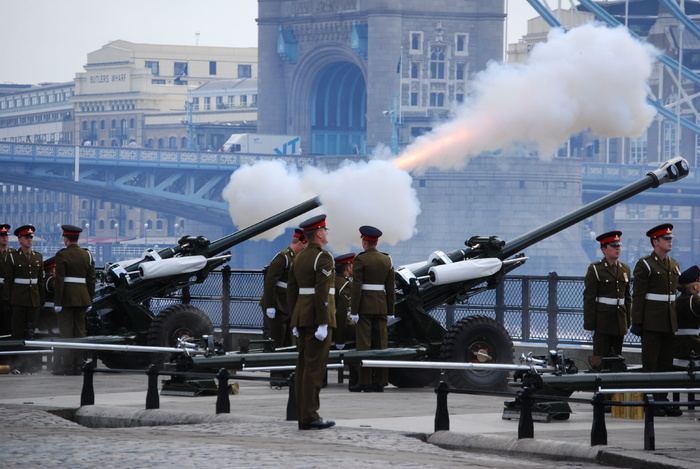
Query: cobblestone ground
pixel 36 439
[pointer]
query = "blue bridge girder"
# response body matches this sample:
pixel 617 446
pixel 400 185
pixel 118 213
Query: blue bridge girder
pixel 180 183
pixel 190 183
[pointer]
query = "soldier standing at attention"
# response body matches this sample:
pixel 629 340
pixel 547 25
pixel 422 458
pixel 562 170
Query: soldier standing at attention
pixel 654 307
pixel 74 286
pixel 343 291
pixel 274 300
pixel 606 298
pixel 26 289
pixel 688 313
pixel 311 299
pixel 372 300
pixel 5 264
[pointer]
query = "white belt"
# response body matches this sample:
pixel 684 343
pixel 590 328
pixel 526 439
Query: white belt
pixel 26 281
pixel 372 287
pixel 48 304
pixel 74 280
pixel 657 297
pixel 694 332
pixel 311 291
pixel 2 280
pixel 281 284
pixel 611 301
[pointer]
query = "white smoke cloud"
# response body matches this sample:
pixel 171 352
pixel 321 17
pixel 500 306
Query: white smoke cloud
pixel 592 77
pixel 374 193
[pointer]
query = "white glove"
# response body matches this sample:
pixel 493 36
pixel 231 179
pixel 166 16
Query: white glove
pixel 89 308
pixel 270 313
pixel 58 308
pixel 295 332
pixel 340 346
pixel 322 332
pixel 355 317
pixel 390 318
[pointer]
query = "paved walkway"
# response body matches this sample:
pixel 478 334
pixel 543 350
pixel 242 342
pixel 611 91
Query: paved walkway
pixel 372 430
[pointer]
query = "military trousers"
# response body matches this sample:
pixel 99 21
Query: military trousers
pixel 310 373
pixel 71 323
pixel 371 334
pixel 658 349
pixel 604 344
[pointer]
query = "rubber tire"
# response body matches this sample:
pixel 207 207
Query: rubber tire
pixel 464 339
pixel 174 322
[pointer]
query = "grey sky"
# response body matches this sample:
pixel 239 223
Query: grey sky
pixel 48 40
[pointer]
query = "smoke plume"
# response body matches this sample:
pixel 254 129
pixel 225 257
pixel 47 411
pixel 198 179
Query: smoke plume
pixel 374 193
pixel 592 77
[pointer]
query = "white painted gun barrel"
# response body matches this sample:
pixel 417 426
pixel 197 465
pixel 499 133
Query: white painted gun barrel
pixel 26 352
pixel 114 347
pixel 468 269
pixel 172 266
pixel 454 365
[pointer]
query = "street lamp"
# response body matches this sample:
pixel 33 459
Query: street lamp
pixel 145 231
pixel 87 234
pixel 116 232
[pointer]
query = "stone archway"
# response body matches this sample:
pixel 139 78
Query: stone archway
pixel 329 103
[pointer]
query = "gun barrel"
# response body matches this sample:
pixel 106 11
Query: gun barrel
pixel 227 242
pixel 672 170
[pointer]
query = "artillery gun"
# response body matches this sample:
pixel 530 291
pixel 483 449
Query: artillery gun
pixel 120 304
pixel 448 278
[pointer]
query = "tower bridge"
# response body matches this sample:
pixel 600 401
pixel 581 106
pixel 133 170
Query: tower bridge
pixel 190 183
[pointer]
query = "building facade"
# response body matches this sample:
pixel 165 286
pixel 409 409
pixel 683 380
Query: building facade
pixel 348 73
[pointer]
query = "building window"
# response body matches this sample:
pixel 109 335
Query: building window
pixel 245 71
pixel 416 41
pixel 415 69
pixel 172 143
pixel 195 104
pixel 669 140
pixel 180 69
pixel 159 81
pixel 638 149
pixel 244 100
pixel 154 66
pixel 460 72
pixel 437 62
pixel 207 103
pixel 231 100
pixel 414 99
pixel 437 99
pixel 459 97
pixel 461 44
pixel 212 68
pixel 220 102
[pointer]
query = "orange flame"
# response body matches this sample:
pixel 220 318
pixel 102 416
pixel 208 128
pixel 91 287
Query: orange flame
pixel 432 148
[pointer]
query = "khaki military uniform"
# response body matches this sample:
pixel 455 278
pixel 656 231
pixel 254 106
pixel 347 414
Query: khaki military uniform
pixel 74 286
pixel 275 296
pixel 373 298
pixel 311 299
pixel 5 311
pixel 25 284
pixel 688 315
pixel 654 307
pixel 607 303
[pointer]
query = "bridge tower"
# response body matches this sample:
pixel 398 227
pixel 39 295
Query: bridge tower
pixel 329 69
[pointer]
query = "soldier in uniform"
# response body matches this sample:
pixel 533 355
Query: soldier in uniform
pixel 372 300
pixel 74 286
pixel 311 299
pixel 654 307
pixel 47 316
pixel 343 291
pixel 26 290
pixel 688 313
pixel 5 263
pixel 274 300
pixel 606 298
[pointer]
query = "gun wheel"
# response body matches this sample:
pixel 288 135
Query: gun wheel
pixel 177 322
pixel 477 339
